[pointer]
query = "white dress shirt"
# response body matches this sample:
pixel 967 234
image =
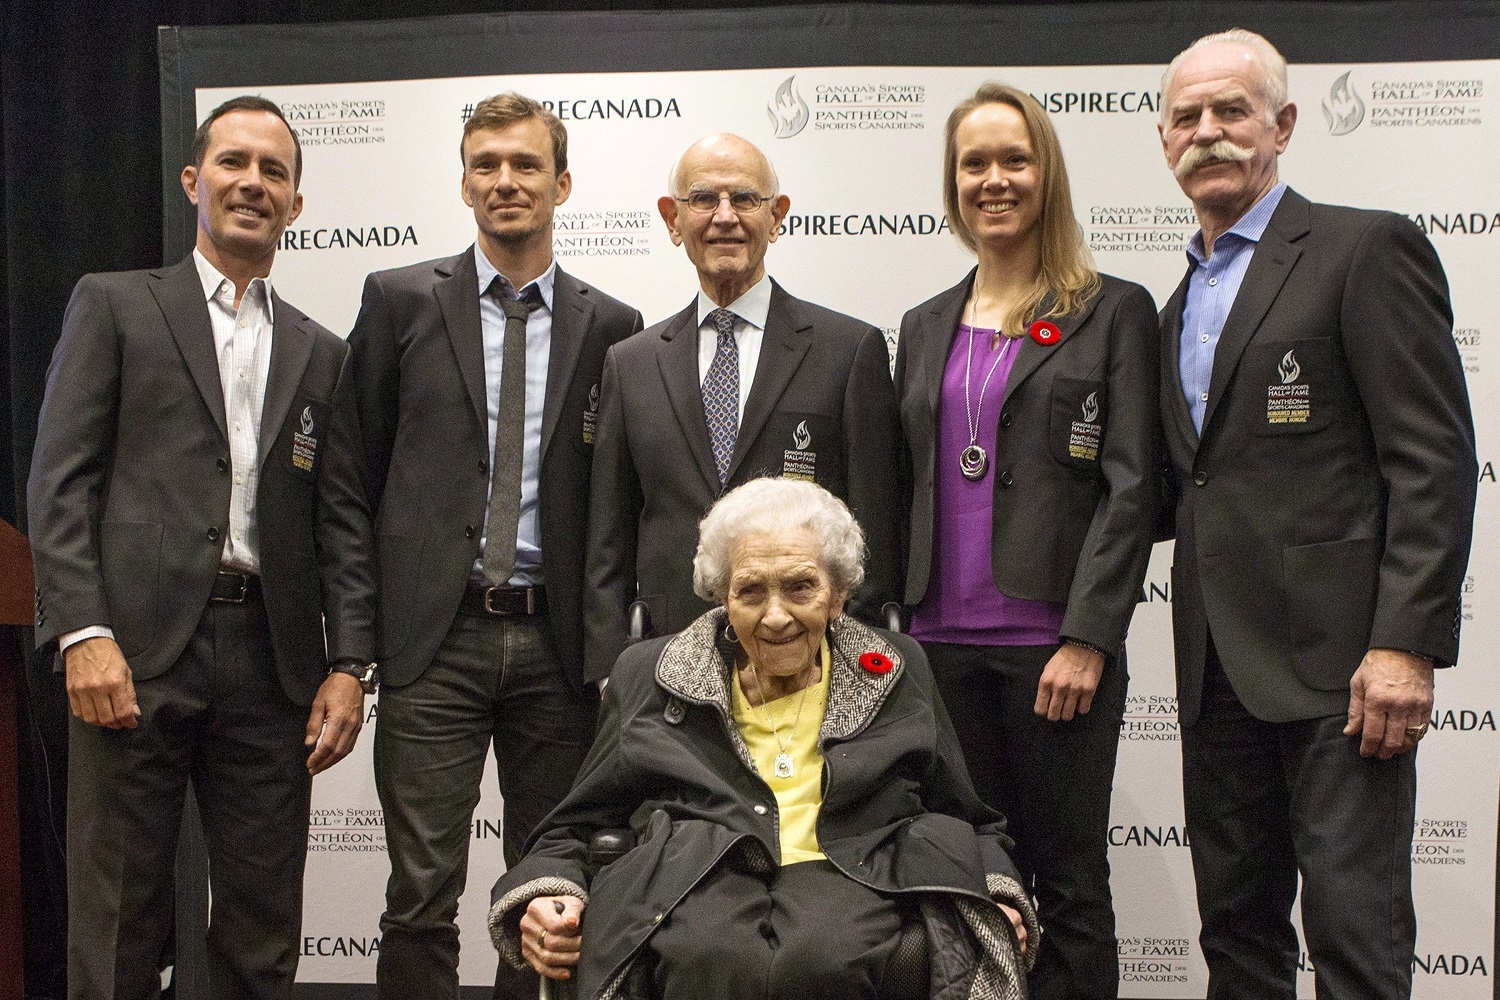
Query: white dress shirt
pixel 750 312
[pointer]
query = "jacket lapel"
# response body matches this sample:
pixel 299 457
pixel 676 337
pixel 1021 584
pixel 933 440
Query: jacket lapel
pixel 1272 261
pixel 458 297
pixel 291 347
pixel 1177 417
pixel 1030 355
pixel 782 349
pixel 179 294
pixel 571 314
pixel 678 361
pixel 942 324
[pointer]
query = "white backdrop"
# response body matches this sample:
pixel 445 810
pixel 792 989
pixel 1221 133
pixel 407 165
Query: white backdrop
pixel 858 150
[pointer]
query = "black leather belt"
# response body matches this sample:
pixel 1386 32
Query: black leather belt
pixel 234 588
pixel 480 599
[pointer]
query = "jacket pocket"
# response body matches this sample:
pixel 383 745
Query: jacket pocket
pixel 1303 384
pixel 130 561
pixel 1075 433
pixel 1330 601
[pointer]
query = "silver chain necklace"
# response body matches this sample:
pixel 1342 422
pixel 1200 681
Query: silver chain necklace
pixel 974 461
pixel 783 763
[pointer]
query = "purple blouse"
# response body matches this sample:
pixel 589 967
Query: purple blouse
pixel 962 604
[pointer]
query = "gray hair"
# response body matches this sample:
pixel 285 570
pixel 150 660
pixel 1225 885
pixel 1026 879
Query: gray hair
pixel 1272 66
pixel 776 506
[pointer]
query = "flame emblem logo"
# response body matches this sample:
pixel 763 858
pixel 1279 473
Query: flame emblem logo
pixel 1289 369
pixel 1343 108
pixel 307 421
pixel 802 437
pixel 788 111
pixel 594 398
pixel 1091 408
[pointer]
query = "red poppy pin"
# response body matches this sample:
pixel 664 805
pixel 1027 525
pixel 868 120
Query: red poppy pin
pixel 875 663
pixel 1044 333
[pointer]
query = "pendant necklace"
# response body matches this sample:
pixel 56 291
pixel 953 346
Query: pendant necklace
pixel 783 763
pixel 974 461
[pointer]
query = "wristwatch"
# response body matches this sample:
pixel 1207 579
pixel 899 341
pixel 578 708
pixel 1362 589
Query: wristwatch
pixel 368 674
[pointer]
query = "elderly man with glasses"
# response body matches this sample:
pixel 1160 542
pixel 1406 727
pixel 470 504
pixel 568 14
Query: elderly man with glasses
pixel 746 381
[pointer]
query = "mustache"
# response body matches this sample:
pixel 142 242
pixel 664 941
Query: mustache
pixel 1222 151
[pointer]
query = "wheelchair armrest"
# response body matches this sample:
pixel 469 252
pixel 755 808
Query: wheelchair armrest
pixel 607 846
pixel 640 621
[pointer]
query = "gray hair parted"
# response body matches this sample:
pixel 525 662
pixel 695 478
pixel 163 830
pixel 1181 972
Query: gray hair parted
pixel 774 506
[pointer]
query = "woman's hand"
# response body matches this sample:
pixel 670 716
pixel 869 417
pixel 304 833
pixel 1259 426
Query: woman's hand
pixel 1017 922
pixel 551 933
pixel 1068 683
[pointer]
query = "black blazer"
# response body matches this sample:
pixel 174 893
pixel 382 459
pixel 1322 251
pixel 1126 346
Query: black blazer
pixel 1070 526
pixel 821 405
pixel 418 355
pixel 128 497
pixel 1307 536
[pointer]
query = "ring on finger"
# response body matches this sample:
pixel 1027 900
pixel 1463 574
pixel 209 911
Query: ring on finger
pixel 541 940
pixel 1415 733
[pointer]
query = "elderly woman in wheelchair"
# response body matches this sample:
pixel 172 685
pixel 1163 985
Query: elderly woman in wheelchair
pixel 801 810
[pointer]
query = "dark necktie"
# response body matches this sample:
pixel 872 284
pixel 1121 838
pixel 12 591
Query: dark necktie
pixel 721 393
pixel 510 428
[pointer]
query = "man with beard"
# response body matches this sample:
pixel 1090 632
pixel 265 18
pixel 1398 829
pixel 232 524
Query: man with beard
pixel 1320 438
pixel 478 381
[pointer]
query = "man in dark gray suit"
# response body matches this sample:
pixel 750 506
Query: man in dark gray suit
pixel 478 392
pixel 1320 439
pixel 197 524
pixel 746 381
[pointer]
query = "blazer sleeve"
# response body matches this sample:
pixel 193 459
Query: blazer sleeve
pixel 1397 327
pixel 74 445
pixel 375 359
pixel 1112 563
pixel 615 503
pixel 872 446
pixel 344 538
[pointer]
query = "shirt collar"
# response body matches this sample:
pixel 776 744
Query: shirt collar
pixel 753 307
pixel 488 273
pixel 1250 227
pixel 211 280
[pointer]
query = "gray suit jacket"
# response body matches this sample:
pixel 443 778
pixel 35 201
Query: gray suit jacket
pixel 1309 534
pixel 1071 525
pixel 128 498
pixel 419 364
pixel 821 405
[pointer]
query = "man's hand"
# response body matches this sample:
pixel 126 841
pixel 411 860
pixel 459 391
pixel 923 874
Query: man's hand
pixel 551 934
pixel 337 714
pixel 100 690
pixel 1068 683
pixel 1389 693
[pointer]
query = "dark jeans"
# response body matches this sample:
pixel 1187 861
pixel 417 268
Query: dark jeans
pixel 807 931
pixel 1265 800
pixel 493 679
pixel 1052 780
pixel 220 717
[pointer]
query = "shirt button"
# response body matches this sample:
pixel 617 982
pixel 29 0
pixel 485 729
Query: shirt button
pixel 760 810
pixel 1213 281
pixel 1204 397
pixel 1203 339
pixel 238 425
pixel 239 480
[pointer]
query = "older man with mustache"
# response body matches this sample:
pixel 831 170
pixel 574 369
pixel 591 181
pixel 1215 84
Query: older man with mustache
pixel 1318 425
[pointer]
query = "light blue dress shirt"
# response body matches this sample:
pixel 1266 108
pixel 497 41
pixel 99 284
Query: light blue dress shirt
pixel 538 353
pixel 1212 288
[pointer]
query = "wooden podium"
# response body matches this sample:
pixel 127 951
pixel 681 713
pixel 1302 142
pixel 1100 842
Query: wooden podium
pixel 15 611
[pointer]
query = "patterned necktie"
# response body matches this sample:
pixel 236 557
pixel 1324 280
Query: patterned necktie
pixel 510 427
pixel 721 392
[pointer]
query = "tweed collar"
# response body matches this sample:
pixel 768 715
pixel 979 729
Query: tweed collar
pixel 695 666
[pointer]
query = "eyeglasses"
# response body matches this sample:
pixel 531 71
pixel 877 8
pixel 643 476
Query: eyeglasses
pixel 743 202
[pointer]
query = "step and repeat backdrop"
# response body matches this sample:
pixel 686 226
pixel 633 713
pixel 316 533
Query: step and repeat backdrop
pixel 1399 108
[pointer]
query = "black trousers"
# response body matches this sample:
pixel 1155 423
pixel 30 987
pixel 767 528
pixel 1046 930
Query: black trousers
pixel 1265 801
pixel 493 681
pixel 807 931
pixel 1052 780
pixel 220 717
